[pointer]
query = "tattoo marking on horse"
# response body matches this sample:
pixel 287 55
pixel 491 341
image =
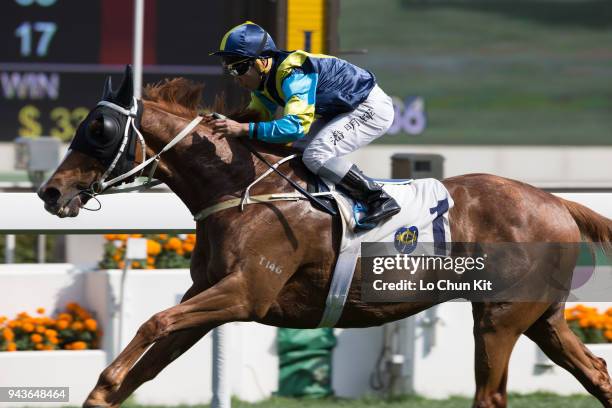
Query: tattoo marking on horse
pixel 270 265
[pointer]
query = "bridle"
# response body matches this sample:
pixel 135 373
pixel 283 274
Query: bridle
pixel 102 185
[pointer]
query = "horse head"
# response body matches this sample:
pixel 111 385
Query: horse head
pixel 104 146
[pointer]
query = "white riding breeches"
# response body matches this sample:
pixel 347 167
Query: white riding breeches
pixel 346 133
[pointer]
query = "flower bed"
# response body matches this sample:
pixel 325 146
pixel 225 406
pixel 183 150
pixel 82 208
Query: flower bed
pixel 163 251
pixel 590 325
pixel 73 329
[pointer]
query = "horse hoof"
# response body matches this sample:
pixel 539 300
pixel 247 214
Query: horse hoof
pixel 87 404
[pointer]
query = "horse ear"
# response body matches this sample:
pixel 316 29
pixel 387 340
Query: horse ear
pixel 125 94
pixel 107 93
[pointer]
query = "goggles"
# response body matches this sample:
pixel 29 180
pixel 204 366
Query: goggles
pixel 238 68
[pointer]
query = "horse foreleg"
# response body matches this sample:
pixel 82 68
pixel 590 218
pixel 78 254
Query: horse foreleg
pixel 225 302
pixel 561 345
pixel 154 360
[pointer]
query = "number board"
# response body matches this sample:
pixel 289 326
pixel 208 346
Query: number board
pixel 55 54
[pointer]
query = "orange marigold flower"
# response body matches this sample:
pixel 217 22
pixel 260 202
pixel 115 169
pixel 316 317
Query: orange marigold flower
pixel 153 248
pixel 122 237
pixel 135 264
pixel 62 324
pixel 14 324
pixel 72 306
pixel 53 340
pixel 174 243
pixel 136 236
pixel 51 333
pixel 608 334
pixel 79 345
pixel 109 237
pixel 188 247
pixel 77 326
pixel 49 347
pixel 91 324
pixel 28 327
pixel 65 316
pixel 11 346
pixel 3 319
pixel 40 310
pixel 40 329
pixel 83 314
pixel 36 338
pixel 8 334
pixel 584 322
pixel 23 315
pixel 163 237
pixel 39 346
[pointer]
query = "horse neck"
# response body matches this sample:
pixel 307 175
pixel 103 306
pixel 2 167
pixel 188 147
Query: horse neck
pixel 203 169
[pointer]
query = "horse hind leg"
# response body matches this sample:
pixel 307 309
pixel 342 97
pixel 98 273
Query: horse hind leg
pixel 497 327
pixel 562 346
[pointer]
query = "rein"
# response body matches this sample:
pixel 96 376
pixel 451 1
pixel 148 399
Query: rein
pixel 100 186
pixel 322 205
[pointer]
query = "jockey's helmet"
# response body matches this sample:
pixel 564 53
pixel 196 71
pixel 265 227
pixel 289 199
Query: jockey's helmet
pixel 247 40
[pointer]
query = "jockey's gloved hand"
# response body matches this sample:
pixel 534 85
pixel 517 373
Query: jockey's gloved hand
pixel 228 128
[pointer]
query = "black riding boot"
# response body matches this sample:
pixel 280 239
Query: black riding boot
pixel 380 204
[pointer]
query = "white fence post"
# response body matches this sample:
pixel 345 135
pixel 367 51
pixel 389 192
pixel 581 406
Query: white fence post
pixel 220 379
pixel 9 249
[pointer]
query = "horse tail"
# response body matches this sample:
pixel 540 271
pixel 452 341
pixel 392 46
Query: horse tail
pixel 592 225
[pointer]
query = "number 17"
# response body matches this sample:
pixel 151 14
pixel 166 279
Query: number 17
pixel 24 31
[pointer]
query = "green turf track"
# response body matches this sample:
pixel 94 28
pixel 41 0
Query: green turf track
pixel 538 400
pixel 491 71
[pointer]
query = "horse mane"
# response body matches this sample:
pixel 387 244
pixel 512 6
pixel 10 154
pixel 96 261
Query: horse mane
pixel 183 97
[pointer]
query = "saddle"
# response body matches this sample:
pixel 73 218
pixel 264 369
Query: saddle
pixel 421 227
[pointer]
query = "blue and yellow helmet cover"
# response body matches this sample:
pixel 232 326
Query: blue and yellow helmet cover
pixel 246 40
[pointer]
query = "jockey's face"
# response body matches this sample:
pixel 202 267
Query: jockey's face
pixel 253 77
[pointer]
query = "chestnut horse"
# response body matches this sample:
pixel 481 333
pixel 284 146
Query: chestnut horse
pixel 230 284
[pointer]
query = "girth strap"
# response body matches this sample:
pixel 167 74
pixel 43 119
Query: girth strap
pixel 260 198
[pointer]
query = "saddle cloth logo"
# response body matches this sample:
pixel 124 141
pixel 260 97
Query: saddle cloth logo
pixel 405 239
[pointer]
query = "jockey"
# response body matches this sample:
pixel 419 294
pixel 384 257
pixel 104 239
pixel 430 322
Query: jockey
pixel 330 108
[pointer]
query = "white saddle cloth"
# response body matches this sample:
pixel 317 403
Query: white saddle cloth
pixel 423 218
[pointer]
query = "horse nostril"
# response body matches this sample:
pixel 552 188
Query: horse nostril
pixel 49 195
